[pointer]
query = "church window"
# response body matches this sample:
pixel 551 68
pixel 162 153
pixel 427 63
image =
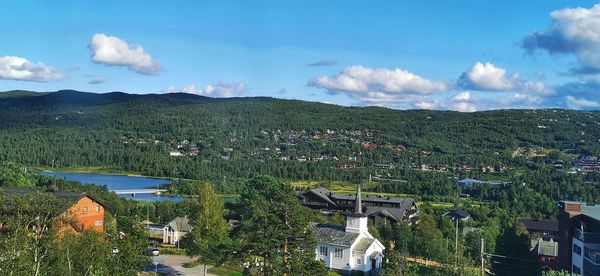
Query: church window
pixel 323 251
pixel 338 253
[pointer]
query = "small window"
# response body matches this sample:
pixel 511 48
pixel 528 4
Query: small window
pixel 338 253
pixel 85 210
pixel 576 270
pixel 323 251
pixel 358 261
pixel 97 209
pixel 577 249
pixel 98 223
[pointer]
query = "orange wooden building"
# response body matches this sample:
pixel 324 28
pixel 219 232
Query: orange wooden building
pixel 84 213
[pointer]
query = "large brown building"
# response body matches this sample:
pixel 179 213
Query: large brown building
pixel 579 238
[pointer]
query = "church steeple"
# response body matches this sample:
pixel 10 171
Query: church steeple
pixel 356 221
pixel 358 202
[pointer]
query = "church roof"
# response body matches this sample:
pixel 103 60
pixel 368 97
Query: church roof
pixel 333 234
pixel 363 244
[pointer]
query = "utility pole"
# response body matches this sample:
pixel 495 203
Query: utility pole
pixel 482 271
pixel 456 245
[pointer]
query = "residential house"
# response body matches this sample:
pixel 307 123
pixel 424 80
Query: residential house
pixel 545 229
pixel 547 252
pixel 350 249
pixel 579 238
pixel 461 215
pixel 176 229
pixel 83 212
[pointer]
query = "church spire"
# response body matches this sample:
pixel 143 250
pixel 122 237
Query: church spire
pixel 358 202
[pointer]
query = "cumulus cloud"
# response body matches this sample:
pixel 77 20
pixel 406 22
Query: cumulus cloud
pixel 324 62
pixel 111 50
pixel 220 90
pixel 572 31
pixel 18 68
pixel 487 76
pixel 376 85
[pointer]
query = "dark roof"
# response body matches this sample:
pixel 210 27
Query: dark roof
pixel 322 193
pixel 371 199
pixel 394 213
pixel 461 214
pixel 539 224
pixel 333 234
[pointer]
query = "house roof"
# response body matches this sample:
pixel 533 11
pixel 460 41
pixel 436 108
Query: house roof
pixel 323 194
pixel 69 197
pixel 394 213
pixel 333 234
pixel 539 224
pixel 363 244
pixel 180 224
pixel 547 248
pixel 461 214
pixel 370 199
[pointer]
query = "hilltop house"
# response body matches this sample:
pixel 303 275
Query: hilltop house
pixel 176 229
pixel 349 249
pixel 378 209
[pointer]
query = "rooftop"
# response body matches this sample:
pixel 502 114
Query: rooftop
pixel 539 224
pixel 333 234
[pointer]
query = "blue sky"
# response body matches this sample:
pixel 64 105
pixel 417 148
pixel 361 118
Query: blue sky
pixel 456 55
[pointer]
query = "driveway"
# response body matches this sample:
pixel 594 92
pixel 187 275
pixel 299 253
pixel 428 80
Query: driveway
pixel 172 265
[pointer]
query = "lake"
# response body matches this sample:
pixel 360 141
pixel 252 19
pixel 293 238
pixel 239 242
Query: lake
pixel 120 182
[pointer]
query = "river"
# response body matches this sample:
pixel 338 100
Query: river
pixel 120 182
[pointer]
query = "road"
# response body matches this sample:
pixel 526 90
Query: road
pixel 172 265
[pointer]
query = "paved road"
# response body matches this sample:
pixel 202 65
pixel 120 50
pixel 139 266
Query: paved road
pixel 172 265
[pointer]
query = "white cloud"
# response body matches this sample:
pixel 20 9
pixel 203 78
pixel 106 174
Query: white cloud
pixel 573 31
pixel 578 103
pixel 111 50
pixel 462 96
pixel 487 76
pixel 18 68
pixel 517 100
pixel 361 80
pixel 220 90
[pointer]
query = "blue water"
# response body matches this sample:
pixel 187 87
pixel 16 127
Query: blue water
pixel 119 182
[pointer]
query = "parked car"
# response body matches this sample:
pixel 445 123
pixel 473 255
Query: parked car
pixel 153 252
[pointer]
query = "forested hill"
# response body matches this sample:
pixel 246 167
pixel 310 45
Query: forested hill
pixel 183 135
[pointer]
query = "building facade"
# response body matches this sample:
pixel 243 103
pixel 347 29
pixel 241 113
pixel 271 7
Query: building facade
pixel 579 238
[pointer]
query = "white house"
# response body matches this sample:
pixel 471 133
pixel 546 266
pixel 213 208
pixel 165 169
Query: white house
pixel 350 248
pixel 175 230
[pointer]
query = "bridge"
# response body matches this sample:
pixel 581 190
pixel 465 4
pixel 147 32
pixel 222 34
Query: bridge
pixel 139 191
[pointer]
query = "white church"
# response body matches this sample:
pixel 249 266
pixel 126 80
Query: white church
pixel 350 248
